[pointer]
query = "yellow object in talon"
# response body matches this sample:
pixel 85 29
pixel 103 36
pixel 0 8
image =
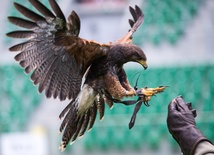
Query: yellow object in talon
pixel 148 92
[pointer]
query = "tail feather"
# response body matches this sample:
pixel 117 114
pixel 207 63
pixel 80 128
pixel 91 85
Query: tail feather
pixel 92 117
pixel 70 116
pixel 79 114
pixel 100 105
pixel 70 129
pixel 75 125
pixel 85 123
pixel 65 110
pixel 81 125
pixel 77 130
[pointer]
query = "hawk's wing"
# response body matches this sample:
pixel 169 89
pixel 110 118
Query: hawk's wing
pixel 54 51
pixel 138 18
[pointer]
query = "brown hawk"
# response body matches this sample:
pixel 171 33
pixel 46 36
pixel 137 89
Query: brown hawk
pixel 64 65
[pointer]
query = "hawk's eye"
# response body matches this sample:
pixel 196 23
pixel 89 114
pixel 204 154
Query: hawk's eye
pixel 135 56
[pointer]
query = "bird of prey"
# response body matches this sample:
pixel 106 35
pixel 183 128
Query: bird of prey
pixel 67 66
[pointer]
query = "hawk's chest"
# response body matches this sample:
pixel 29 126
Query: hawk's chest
pixel 100 69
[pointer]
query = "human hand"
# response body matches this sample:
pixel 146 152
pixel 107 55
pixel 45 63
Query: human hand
pixel 180 113
pixel 181 124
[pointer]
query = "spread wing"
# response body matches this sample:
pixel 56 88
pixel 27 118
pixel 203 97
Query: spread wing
pixel 138 18
pixel 53 51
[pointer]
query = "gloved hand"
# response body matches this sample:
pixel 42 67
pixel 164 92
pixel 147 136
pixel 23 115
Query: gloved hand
pixel 181 124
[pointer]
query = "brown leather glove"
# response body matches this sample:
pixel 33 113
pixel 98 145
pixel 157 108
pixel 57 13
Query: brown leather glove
pixel 182 126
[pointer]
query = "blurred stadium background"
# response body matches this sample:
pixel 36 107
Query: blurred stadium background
pixel 178 38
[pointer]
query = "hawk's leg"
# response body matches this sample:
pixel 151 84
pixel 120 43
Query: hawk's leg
pixel 125 83
pixel 115 88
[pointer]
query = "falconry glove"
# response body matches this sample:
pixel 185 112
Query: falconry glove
pixel 182 126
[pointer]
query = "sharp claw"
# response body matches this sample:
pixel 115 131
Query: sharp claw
pixel 194 112
pixel 189 105
pixel 148 92
pixel 146 104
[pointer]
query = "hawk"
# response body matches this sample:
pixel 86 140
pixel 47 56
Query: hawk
pixel 67 66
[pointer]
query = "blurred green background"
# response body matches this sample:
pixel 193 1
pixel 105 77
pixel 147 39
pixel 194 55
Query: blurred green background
pixel 177 37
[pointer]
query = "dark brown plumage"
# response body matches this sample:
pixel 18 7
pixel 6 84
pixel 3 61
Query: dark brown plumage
pixel 67 66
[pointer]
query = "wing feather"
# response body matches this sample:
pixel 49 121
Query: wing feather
pixel 133 13
pixel 42 9
pixel 57 9
pixel 28 13
pixel 63 82
pixel 22 46
pixel 53 90
pixel 52 76
pixel 48 74
pixel 53 51
pixel 131 22
pixel 39 62
pixel 138 18
pixel 74 23
pixel 21 34
pixel 22 23
pixel 34 57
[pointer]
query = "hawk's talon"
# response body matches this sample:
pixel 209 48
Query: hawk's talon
pixel 146 104
pixel 146 93
pixel 144 96
pixel 130 93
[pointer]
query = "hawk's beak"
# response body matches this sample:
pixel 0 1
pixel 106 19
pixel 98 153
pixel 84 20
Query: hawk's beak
pixel 143 63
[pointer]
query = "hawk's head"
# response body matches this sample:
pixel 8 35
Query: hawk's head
pixel 137 55
pixel 123 53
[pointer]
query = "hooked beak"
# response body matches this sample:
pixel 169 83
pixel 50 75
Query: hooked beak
pixel 143 63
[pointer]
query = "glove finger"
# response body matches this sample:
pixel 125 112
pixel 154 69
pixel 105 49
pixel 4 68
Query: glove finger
pixel 172 106
pixel 181 105
pixel 194 113
pixel 189 105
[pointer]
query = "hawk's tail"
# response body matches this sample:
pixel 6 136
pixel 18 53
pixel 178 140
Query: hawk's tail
pixel 75 125
pixel 80 114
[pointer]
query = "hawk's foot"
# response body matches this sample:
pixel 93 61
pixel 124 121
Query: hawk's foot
pixel 146 93
pixel 130 93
